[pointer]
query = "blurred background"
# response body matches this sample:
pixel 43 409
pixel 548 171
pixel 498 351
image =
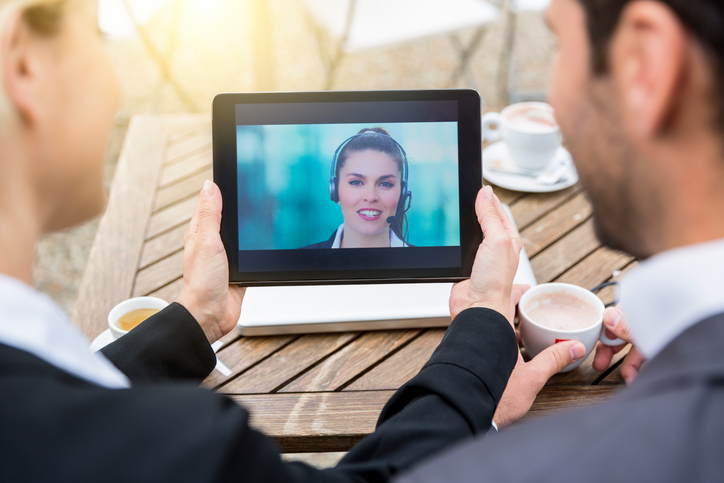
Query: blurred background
pixel 284 173
pixel 173 56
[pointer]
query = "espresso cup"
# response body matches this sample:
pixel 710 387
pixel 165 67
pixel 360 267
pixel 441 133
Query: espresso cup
pixel 556 312
pixel 128 306
pixel 530 132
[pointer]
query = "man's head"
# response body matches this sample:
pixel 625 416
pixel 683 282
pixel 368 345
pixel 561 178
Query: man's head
pixel 635 88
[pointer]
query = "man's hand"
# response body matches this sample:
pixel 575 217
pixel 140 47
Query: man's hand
pixel 616 326
pixel 206 292
pixel 528 378
pixel 495 264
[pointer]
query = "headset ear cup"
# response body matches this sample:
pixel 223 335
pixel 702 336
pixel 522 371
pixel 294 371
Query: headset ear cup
pixel 333 195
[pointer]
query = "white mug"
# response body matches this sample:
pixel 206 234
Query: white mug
pixel 128 306
pixel 536 337
pixel 529 130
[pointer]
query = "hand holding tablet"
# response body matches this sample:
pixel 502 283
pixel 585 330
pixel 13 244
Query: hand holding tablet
pixel 318 187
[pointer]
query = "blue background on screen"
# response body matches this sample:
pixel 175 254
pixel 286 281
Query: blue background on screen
pixel 283 182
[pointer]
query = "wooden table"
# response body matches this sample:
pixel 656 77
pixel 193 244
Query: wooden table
pixel 319 392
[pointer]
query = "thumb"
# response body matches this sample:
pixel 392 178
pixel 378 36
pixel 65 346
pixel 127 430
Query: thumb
pixel 487 212
pixel 615 323
pixel 208 209
pixel 555 358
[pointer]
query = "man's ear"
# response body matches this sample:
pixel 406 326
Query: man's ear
pixel 649 61
pixel 21 66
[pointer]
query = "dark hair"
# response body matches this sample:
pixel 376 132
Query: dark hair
pixel 703 18
pixel 45 18
pixel 383 143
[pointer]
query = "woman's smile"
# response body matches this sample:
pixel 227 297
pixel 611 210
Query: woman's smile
pixel 369 214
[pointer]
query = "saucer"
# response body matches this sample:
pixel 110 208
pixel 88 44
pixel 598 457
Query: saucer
pixel 498 154
pixel 103 339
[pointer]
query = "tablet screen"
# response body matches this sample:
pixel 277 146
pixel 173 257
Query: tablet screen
pixel 346 190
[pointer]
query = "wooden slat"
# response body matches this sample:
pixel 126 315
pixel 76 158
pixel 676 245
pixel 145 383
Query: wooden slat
pixel 596 268
pixel 163 246
pixel 176 137
pixel 171 217
pixel 159 274
pixel 170 292
pixel 244 353
pixel 534 205
pixel 183 169
pixel 183 189
pixel 400 367
pixel 553 399
pixel 109 275
pixel 351 360
pixel 555 224
pixel 318 422
pixel 189 146
pixel 565 253
pixel 287 363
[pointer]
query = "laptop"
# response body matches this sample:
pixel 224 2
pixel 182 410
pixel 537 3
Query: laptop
pixel 340 308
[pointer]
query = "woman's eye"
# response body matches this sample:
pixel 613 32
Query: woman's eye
pixel 387 184
pixel 355 182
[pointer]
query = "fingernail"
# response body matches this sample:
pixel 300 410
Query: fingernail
pixel 577 352
pixel 208 189
pixel 488 193
pixel 628 380
pixel 611 319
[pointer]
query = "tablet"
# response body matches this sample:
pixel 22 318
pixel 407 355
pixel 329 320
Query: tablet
pixel 348 187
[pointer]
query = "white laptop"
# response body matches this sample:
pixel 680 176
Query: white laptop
pixel 336 308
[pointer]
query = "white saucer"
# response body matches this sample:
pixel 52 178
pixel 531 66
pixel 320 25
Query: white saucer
pixel 103 339
pixel 498 154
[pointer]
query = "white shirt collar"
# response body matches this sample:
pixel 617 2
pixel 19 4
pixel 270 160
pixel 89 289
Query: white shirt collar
pixel 671 292
pixel 395 241
pixel 32 322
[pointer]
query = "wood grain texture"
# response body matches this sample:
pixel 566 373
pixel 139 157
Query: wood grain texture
pixel 189 146
pixel 402 366
pixel 350 361
pixel 596 268
pixel 110 272
pixel 242 353
pixel 327 421
pixel 564 253
pixel 183 189
pixel 287 363
pixel 176 172
pixel 170 292
pixel 173 216
pixel 555 224
pixel 159 274
pixel 534 205
pixel 553 399
pixel 162 246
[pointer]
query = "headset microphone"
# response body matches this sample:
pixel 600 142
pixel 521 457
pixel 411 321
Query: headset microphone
pixel 391 219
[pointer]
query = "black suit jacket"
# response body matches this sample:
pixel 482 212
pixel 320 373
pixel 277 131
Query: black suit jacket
pixel 668 426
pixel 56 427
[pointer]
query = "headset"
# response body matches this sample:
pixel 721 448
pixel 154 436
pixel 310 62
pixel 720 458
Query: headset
pixel 405 193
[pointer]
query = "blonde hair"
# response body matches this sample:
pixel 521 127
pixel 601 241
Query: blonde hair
pixel 44 17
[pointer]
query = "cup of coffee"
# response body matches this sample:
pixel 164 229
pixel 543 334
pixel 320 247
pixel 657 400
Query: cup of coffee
pixel 530 132
pixel 130 313
pixel 555 312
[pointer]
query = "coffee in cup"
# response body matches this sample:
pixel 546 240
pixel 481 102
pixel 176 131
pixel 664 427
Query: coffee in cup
pixel 557 312
pixel 530 132
pixel 130 313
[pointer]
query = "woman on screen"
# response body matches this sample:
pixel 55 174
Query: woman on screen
pixel 368 181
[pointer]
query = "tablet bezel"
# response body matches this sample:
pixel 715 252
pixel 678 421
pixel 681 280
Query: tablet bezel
pixel 469 182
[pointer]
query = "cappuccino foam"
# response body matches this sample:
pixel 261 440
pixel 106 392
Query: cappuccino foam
pixel 532 119
pixel 562 311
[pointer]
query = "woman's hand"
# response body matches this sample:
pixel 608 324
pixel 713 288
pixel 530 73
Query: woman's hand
pixel 616 326
pixel 206 292
pixel 496 262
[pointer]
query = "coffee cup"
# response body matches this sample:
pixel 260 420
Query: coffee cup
pixel 530 132
pixel 130 313
pixel 556 312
